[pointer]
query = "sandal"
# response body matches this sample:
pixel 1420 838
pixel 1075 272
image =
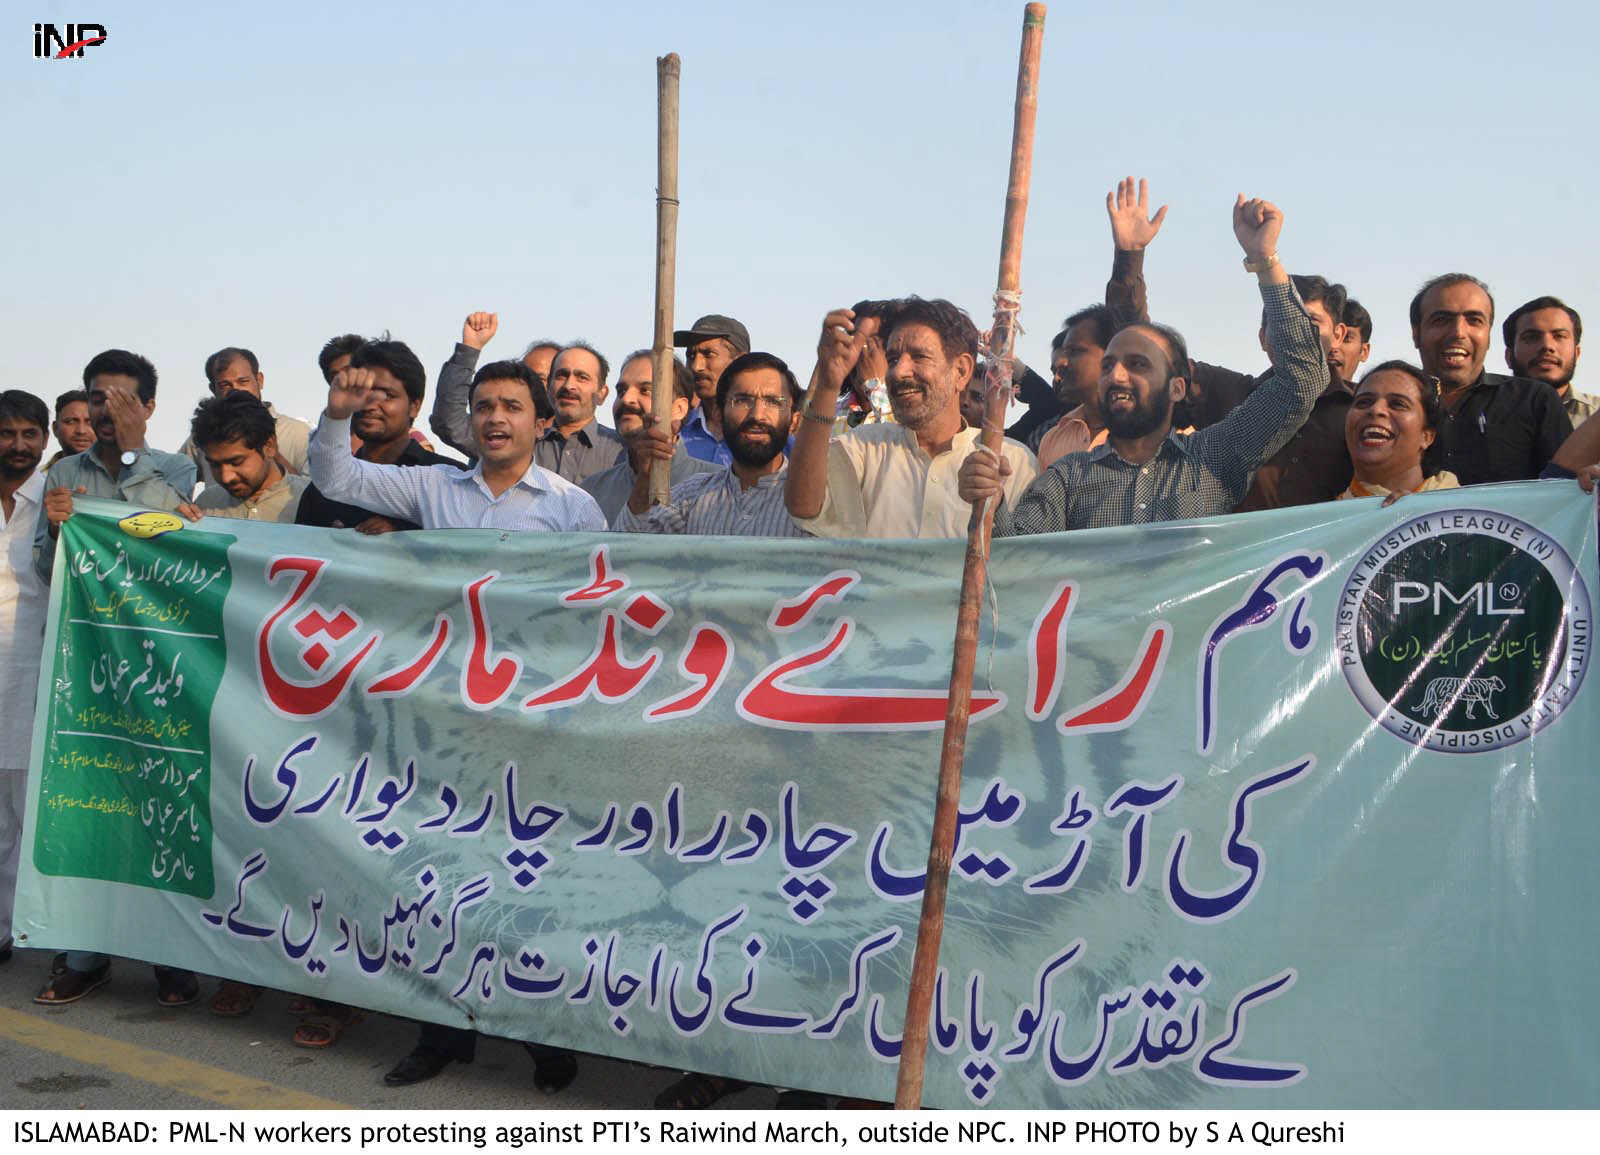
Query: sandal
pixel 695 1092
pixel 58 964
pixel 175 988
pixel 324 1030
pixel 69 986
pixel 234 999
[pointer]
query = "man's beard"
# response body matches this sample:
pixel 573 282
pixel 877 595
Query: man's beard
pixel 1141 420
pixel 1526 370
pixel 754 455
pixel 15 465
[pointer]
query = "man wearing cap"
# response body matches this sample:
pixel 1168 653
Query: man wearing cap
pixel 709 348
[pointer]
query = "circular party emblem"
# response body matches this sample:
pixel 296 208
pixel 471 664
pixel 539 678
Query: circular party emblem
pixel 1464 630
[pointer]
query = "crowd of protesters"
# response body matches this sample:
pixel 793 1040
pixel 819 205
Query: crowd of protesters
pixel 884 443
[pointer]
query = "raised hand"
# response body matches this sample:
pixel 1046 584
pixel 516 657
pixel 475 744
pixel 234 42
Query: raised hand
pixel 1131 226
pixel 1256 224
pixel 128 414
pixel 982 476
pixel 839 347
pixel 347 392
pixel 478 328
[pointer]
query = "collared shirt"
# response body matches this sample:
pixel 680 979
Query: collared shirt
pixel 572 458
pixel 155 480
pixel 882 483
pixel 277 503
pixel 1195 474
pixel 23 600
pixel 1502 429
pixel 315 509
pixel 443 496
pixel 451 418
pixel 702 444
pixel 1579 406
pixel 292 434
pixel 718 503
pixel 610 487
pixel 1314 465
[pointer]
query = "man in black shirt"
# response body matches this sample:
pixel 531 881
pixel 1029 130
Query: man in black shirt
pixel 1496 428
pixel 384 426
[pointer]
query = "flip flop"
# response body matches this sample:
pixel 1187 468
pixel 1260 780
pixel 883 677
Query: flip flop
pixel 234 999
pixel 69 986
pixel 324 1030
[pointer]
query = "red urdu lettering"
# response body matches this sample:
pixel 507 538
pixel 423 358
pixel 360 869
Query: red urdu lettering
pixel 605 675
pixel 402 680
pixel 300 699
pixel 787 616
pixel 770 701
pixel 707 659
pixel 601 584
pixel 1120 706
pixel 483 688
pixel 1047 651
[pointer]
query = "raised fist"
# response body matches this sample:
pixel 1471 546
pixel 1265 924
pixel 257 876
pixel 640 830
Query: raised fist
pixel 478 328
pixel 1256 223
pixel 347 392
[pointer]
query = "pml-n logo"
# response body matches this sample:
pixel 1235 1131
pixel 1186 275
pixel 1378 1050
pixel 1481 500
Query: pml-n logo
pixel 68 40
pixel 1465 630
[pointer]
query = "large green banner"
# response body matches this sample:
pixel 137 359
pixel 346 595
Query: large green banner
pixel 1280 810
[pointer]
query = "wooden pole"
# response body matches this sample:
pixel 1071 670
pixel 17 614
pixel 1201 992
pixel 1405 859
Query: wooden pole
pixel 661 352
pixel 930 928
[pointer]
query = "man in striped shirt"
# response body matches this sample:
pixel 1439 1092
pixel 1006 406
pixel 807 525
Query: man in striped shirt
pixel 759 400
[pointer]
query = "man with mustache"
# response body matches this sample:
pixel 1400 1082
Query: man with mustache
pixel 119 467
pixel 450 418
pixel 1496 428
pixel 23 599
pixel 895 479
pixel 576 444
pixel 632 415
pixel 235 370
pixel 1543 341
pixel 759 400
pixel 709 346
pixel 1145 471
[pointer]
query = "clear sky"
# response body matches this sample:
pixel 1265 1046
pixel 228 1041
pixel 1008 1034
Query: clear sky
pixel 271 175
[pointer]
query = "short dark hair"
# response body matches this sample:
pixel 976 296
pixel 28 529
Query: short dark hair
pixel 71 397
pixel 514 371
pixel 682 379
pixel 605 366
pixel 121 363
pixel 338 347
pixel 222 358
pixel 1312 289
pixel 1177 347
pixel 957 333
pixel 1444 281
pixel 542 343
pixel 748 361
pixel 382 352
pixel 20 405
pixel 1357 317
pixel 1432 405
pixel 236 416
pixel 1105 326
pixel 1509 329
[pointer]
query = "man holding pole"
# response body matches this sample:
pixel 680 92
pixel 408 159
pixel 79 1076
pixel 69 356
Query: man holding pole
pixel 1145 472
pixel 895 479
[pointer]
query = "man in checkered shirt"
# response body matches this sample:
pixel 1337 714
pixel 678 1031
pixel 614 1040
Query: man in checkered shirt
pixel 1145 472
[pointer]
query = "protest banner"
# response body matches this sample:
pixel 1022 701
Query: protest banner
pixel 1282 810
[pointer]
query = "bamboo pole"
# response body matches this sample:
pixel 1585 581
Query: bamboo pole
pixel 930 928
pixel 661 351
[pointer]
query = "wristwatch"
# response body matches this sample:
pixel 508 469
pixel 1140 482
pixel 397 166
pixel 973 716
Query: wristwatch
pixel 1261 266
pixel 129 456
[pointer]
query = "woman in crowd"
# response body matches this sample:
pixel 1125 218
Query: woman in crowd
pixel 1392 425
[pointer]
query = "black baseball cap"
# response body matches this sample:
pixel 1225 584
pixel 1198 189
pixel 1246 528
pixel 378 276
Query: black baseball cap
pixel 715 325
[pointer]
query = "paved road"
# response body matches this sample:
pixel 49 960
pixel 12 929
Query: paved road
pixel 118 1049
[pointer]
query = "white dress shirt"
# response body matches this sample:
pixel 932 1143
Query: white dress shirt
pixel 443 496
pixel 23 599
